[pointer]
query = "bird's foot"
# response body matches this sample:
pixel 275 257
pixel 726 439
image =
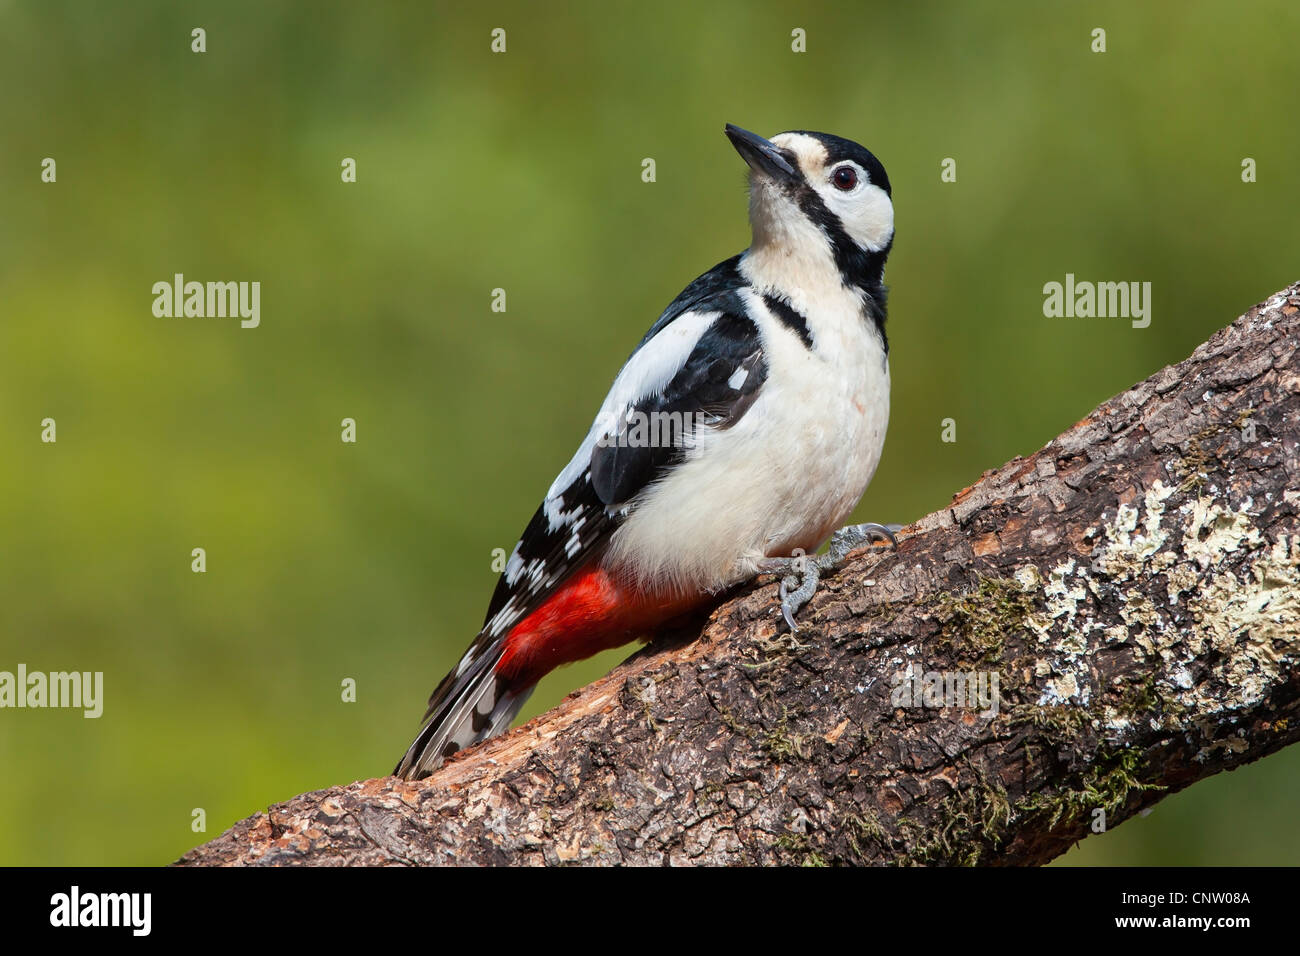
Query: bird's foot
pixel 802 573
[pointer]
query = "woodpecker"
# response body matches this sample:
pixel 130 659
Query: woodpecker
pixel 770 373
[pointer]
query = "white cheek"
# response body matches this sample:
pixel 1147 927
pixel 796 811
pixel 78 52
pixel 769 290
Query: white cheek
pixel 867 215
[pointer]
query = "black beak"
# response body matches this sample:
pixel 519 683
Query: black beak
pixel 761 154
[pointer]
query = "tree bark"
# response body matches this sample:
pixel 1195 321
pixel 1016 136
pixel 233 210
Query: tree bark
pixel 1133 588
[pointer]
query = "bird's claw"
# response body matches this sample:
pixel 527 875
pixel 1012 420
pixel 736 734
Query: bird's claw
pixel 854 536
pixel 804 589
pixel 798 587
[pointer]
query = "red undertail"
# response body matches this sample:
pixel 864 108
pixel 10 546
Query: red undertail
pixel 590 613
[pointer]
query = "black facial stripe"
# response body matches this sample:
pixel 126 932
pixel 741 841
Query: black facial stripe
pixel 791 317
pixel 859 268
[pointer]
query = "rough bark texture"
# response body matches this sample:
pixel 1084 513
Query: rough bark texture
pixel 1134 586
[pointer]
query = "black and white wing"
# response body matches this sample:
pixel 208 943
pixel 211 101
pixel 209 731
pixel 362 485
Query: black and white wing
pixel 703 364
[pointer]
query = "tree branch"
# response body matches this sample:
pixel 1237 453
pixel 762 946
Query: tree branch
pixel 1133 589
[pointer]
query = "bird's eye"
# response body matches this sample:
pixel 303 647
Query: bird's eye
pixel 846 177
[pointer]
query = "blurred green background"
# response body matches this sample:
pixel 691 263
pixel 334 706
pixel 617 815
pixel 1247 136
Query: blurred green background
pixel 522 171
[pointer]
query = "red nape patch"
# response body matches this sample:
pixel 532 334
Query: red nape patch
pixel 588 614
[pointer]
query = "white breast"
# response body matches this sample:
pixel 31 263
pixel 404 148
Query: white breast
pixel 787 474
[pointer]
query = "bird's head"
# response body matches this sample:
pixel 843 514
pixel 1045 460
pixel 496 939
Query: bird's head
pixel 817 192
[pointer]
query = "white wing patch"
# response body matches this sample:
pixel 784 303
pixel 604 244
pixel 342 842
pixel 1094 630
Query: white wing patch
pixel 647 372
